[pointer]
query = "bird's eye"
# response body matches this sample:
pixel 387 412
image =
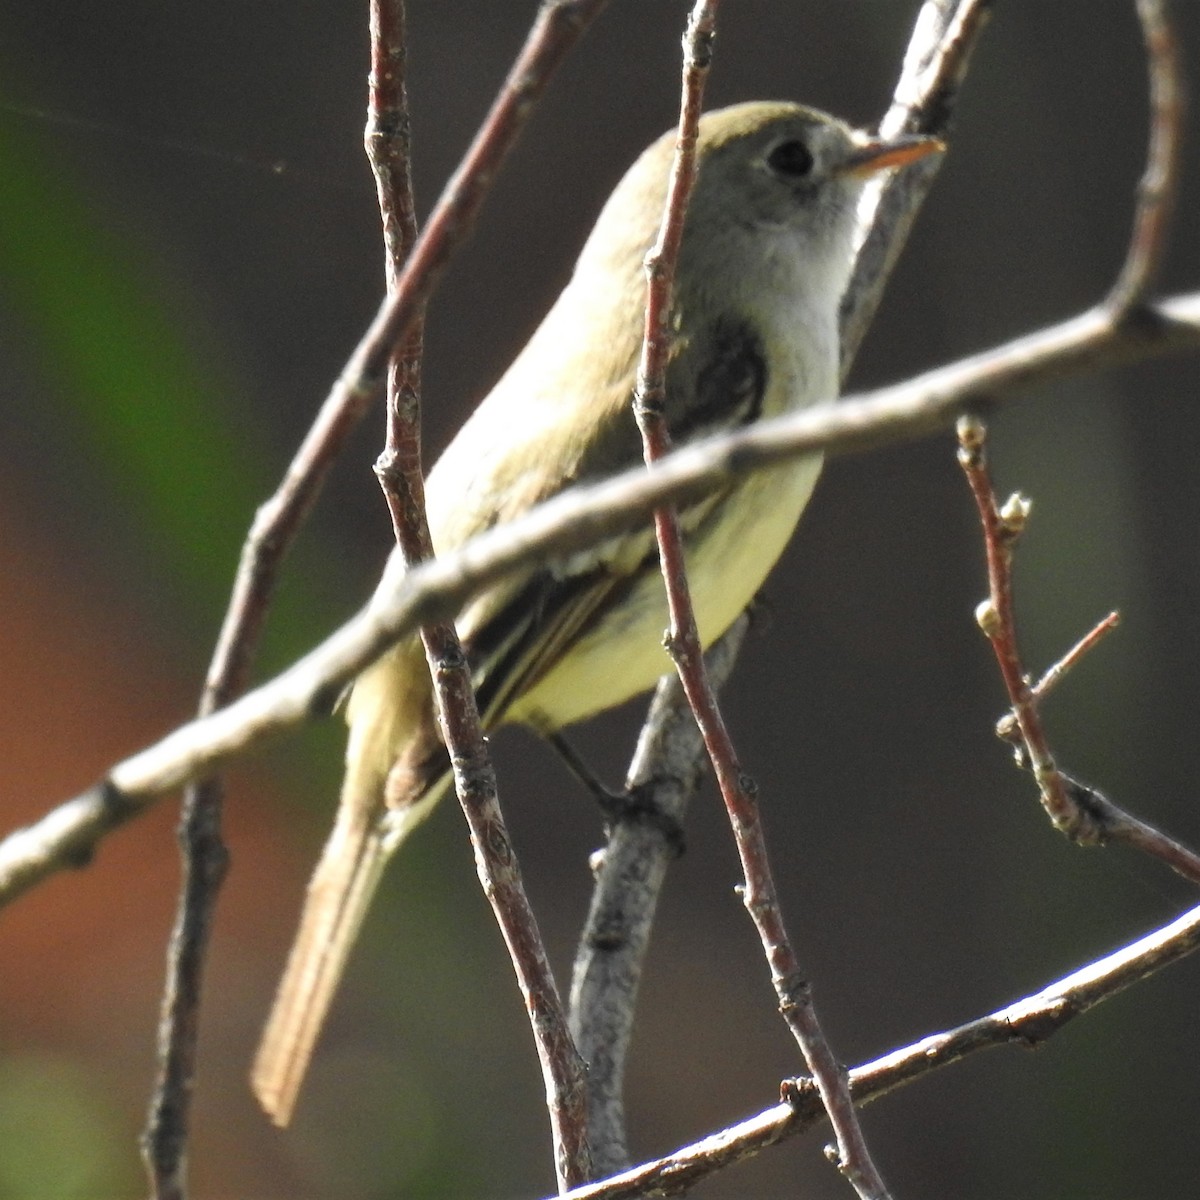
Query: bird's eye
pixel 791 160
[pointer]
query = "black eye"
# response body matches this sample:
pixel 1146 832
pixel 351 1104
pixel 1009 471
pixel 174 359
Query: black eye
pixel 792 160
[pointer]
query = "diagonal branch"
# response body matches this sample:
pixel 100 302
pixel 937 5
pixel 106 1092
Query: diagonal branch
pixel 683 641
pixel 935 63
pixel 1026 1022
pixel 402 481
pixel 205 858
pixel 68 835
pixel 666 769
pixel 1082 812
pixel 1159 184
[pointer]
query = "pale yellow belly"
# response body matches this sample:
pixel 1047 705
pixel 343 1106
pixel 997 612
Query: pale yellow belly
pixel 727 565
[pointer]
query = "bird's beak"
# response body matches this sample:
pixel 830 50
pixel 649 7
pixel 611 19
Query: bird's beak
pixel 877 155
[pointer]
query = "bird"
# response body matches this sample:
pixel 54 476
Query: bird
pixel 765 258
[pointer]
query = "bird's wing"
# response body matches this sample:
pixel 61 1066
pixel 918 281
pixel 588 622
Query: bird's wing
pixel 517 631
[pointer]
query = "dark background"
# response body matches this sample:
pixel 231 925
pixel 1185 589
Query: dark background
pixel 189 249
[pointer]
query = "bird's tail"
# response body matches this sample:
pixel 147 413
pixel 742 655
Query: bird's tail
pixel 364 837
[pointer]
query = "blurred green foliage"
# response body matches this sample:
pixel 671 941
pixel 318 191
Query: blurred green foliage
pixel 118 352
pixel 123 368
pixel 61 1138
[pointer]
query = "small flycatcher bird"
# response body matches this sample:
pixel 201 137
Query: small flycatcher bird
pixel 765 258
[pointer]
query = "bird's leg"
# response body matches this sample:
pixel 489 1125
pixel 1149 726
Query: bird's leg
pixel 627 805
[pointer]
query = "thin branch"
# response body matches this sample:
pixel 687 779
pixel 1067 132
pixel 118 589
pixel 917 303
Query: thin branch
pixel 1007 729
pixel 387 140
pixel 68 835
pixel 1027 1022
pixel 683 639
pixel 997 619
pixel 644 837
pixel 1159 184
pixel 667 767
pixel 612 1014
pixel 650 393
pixel 558 26
pixel 1081 812
pixel 205 861
pixel 563 1070
pixel 1056 672
pixel 402 481
pixel 935 64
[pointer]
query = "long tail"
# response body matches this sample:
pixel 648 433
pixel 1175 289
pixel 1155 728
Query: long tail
pixel 338 898
pixel 365 835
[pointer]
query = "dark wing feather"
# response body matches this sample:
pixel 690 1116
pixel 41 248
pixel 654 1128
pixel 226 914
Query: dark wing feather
pixel 531 626
pixel 717 383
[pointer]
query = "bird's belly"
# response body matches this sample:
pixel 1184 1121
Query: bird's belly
pixel 728 558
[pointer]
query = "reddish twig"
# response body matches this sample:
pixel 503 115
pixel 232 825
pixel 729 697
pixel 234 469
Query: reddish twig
pixel 666 769
pixel 1084 814
pixel 1159 183
pixel 1027 1022
pixel 1057 671
pixel 557 27
pixel 683 638
pixel 388 140
pixel 1006 728
pixel 400 476
pixel 650 396
pixel 1001 528
pixel 388 143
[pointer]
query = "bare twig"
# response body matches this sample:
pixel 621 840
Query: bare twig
pixel 1081 812
pixel 1056 672
pixel 997 619
pixel 563 1070
pixel 558 26
pixel 205 862
pixel 633 864
pixel 683 641
pixel 1006 728
pixel 643 838
pixel 1159 184
pixel 650 394
pixel 935 64
pixel 68 835
pixel 1027 1022
pixel 400 476
pixel 388 143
